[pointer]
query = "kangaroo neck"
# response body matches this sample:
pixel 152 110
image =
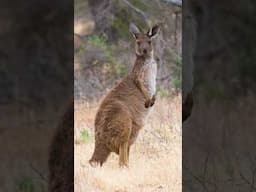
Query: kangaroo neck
pixel 142 63
pixel 141 59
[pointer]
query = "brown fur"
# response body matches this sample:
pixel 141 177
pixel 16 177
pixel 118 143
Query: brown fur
pixel 122 113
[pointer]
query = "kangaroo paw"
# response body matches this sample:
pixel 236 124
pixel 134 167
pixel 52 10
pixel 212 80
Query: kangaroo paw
pixel 152 102
pixel 94 163
pixel 148 103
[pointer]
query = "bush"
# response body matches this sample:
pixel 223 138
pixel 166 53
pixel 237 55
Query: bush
pixel 84 135
pixel 98 41
pixel 177 74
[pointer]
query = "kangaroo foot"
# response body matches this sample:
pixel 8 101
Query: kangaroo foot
pixel 95 163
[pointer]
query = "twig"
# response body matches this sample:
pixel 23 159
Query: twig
pixel 138 11
pixel 95 64
pixel 206 164
pixel 164 78
pixel 38 173
pixel 248 182
pixel 197 179
pixel 253 179
pixel 177 3
pixel 214 175
pixel 78 36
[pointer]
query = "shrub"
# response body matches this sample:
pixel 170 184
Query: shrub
pixel 84 135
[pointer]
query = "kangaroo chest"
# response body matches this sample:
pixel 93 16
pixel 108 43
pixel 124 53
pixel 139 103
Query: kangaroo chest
pixel 150 72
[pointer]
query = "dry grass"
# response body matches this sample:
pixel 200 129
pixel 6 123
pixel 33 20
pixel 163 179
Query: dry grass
pixel 155 158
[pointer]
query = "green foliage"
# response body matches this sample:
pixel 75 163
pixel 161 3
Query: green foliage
pixel 120 24
pixel 177 74
pixel 80 6
pixel 163 92
pixel 177 83
pixel 122 70
pixel 26 185
pixel 175 66
pixel 124 16
pixel 246 64
pixel 101 42
pixel 110 66
pixel 98 41
pixel 139 4
pixel 214 91
pixel 178 61
pixel 84 135
pixel 81 50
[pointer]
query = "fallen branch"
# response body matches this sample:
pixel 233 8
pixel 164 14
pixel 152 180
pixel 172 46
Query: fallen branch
pixel 164 78
pixel 38 173
pixel 177 3
pixel 247 181
pixel 198 179
pixel 138 11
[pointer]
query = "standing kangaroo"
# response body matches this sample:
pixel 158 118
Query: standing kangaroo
pixel 122 112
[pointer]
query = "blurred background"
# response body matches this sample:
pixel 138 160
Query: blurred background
pixel 36 84
pixel 219 136
pixel 104 47
pixel 104 54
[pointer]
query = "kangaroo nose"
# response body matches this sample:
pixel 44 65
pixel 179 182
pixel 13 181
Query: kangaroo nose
pixel 145 51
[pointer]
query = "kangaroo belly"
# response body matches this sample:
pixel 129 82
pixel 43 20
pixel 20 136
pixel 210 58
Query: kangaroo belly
pixel 150 77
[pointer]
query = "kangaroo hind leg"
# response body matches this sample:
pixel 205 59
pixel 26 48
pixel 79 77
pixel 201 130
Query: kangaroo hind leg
pixel 123 154
pixel 100 155
pixel 120 128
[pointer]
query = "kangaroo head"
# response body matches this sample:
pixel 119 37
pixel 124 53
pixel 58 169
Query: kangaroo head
pixel 143 46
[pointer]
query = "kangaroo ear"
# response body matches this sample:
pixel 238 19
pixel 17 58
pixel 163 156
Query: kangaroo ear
pixel 152 32
pixel 134 30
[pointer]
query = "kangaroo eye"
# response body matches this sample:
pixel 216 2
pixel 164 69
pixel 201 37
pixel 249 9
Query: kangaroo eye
pixel 138 42
pixel 149 42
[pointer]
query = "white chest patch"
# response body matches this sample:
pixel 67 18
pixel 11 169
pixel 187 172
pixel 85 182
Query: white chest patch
pixel 150 75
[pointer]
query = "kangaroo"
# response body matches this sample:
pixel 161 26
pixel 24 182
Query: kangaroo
pixel 122 112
